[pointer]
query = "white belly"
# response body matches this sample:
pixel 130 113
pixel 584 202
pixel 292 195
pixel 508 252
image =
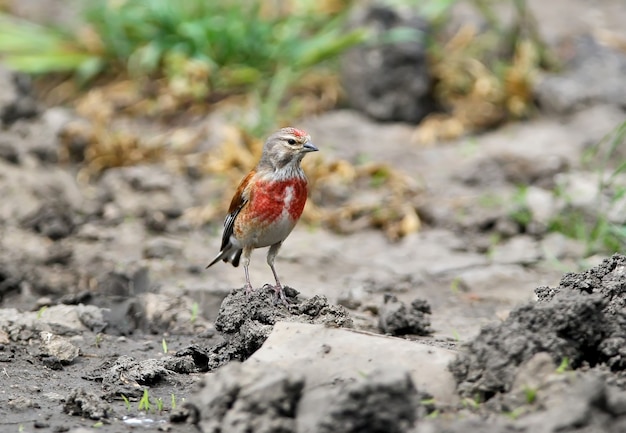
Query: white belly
pixel 271 234
pixel 276 232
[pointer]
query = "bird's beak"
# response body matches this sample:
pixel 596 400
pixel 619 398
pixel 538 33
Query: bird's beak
pixel 309 147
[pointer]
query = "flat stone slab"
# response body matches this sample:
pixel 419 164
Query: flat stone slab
pixel 330 356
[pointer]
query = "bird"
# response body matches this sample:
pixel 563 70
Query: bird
pixel 267 204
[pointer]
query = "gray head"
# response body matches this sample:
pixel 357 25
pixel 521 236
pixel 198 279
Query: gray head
pixel 285 149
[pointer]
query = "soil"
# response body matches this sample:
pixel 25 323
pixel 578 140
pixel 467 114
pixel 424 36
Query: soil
pixel 109 321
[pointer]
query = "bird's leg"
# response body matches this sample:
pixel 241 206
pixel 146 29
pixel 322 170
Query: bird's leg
pixel 246 262
pixel 278 288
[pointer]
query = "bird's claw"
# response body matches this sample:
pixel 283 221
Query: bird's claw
pixel 279 295
pixel 281 298
pixel 248 289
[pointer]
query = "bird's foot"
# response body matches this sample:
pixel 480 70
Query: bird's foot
pixel 279 295
pixel 248 289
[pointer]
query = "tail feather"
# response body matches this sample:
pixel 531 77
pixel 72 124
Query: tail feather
pixel 228 254
pixel 236 257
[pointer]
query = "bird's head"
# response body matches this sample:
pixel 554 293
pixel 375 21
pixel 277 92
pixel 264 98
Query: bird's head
pixel 286 148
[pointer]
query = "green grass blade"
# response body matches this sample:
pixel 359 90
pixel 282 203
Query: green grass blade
pixel 45 63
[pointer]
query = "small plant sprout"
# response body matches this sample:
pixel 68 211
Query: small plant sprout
pixel 195 308
pixel 173 404
pixel 41 311
pixel 159 405
pixel 433 414
pixel 98 424
pixel 144 403
pixel 126 402
pixel 455 285
pixel 472 403
pixel 531 394
pixel 98 340
pixel 515 413
pixel 563 366
pixel 164 345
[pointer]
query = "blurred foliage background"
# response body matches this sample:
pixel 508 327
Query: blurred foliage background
pixel 197 52
pixel 169 61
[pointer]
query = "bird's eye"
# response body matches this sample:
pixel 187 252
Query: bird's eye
pixel 291 141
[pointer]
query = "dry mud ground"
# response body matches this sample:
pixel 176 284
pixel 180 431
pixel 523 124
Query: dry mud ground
pixel 104 297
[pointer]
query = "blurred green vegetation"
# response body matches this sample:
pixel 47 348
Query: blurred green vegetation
pixel 598 230
pixel 277 59
pixel 200 47
pixel 201 51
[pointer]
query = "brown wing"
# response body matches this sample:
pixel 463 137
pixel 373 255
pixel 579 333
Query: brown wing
pixel 240 199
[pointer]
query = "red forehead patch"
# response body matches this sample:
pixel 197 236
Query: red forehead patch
pixel 297 132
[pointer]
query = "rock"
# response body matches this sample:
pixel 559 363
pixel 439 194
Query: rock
pixel 128 373
pixel 180 364
pixel 336 356
pixel 242 399
pixel 537 384
pixel 541 204
pixel 59 253
pixel 516 168
pixel 465 425
pixel 56 119
pixel 8 151
pixel 74 317
pixel 523 250
pixel 579 191
pixel 389 81
pixel 585 406
pixel 57 319
pixel 86 404
pixel 35 139
pixel 160 248
pixel 53 219
pixel 24 189
pixel 594 76
pixel 395 318
pixel 498 282
pixel 616 213
pixel 133 280
pixel 59 347
pixel 166 313
pixel 21 403
pixel 337 380
pixel 383 401
pixel 534 373
pixel 558 246
pixel 246 322
pixel 51 362
pixel 144 189
pixel 15 100
pixel 352 297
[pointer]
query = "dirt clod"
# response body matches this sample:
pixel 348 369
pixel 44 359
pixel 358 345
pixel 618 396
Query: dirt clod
pixel 246 321
pixel 579 323
pixel 58 347
pixel 126 371
pixel 396 318
pixel 54 220
pixel 86 404
pixel 384 401
pixel 237 399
